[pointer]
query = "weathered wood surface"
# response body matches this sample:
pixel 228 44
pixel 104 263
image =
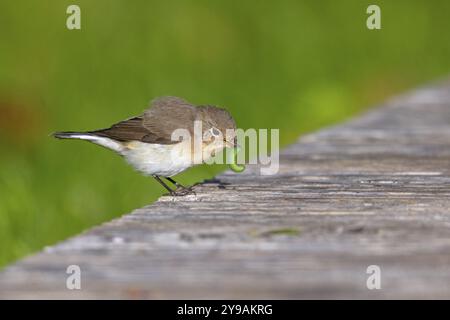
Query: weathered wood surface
pixel 373 191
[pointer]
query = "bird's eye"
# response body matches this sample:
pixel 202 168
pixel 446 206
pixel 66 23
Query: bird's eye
pixel 215 132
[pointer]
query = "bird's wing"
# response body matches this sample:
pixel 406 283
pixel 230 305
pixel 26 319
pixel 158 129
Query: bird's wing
pixel 168 114
pixel 156 125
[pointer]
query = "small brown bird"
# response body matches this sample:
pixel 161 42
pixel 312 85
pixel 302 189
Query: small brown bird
pixel 149 144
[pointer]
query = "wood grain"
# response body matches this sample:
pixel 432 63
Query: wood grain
pixel 372 191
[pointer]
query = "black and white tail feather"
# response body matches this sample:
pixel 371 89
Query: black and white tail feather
pixel 88 136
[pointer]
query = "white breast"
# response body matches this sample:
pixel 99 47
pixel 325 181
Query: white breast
pixel 158 159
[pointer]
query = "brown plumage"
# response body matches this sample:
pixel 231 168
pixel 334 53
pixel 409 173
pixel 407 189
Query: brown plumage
pixel 145 141
pixel 164 116
pixel 156 125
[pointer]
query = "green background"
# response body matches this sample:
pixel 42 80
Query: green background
pixel 292 65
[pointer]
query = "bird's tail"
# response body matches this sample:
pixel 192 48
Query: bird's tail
pixel 92 137
pixel 74 135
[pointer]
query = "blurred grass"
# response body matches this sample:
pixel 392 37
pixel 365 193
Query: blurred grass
pixel 293 65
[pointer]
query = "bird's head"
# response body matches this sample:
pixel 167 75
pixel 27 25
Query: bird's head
pixel 219 129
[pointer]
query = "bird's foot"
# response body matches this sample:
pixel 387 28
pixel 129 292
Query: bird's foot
pixel 182 191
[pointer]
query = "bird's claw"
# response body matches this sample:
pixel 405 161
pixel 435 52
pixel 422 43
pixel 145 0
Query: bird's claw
pixel 182 191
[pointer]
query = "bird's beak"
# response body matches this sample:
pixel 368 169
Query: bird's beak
pixel 232 144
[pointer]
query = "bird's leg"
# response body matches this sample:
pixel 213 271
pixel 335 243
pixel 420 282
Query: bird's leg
pixel 164 185
pixel 178 185
pixel 184 190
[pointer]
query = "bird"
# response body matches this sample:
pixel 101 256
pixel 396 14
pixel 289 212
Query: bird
pixel 147 142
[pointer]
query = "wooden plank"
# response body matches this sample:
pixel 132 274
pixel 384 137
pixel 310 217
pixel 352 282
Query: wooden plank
pixel 372 191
